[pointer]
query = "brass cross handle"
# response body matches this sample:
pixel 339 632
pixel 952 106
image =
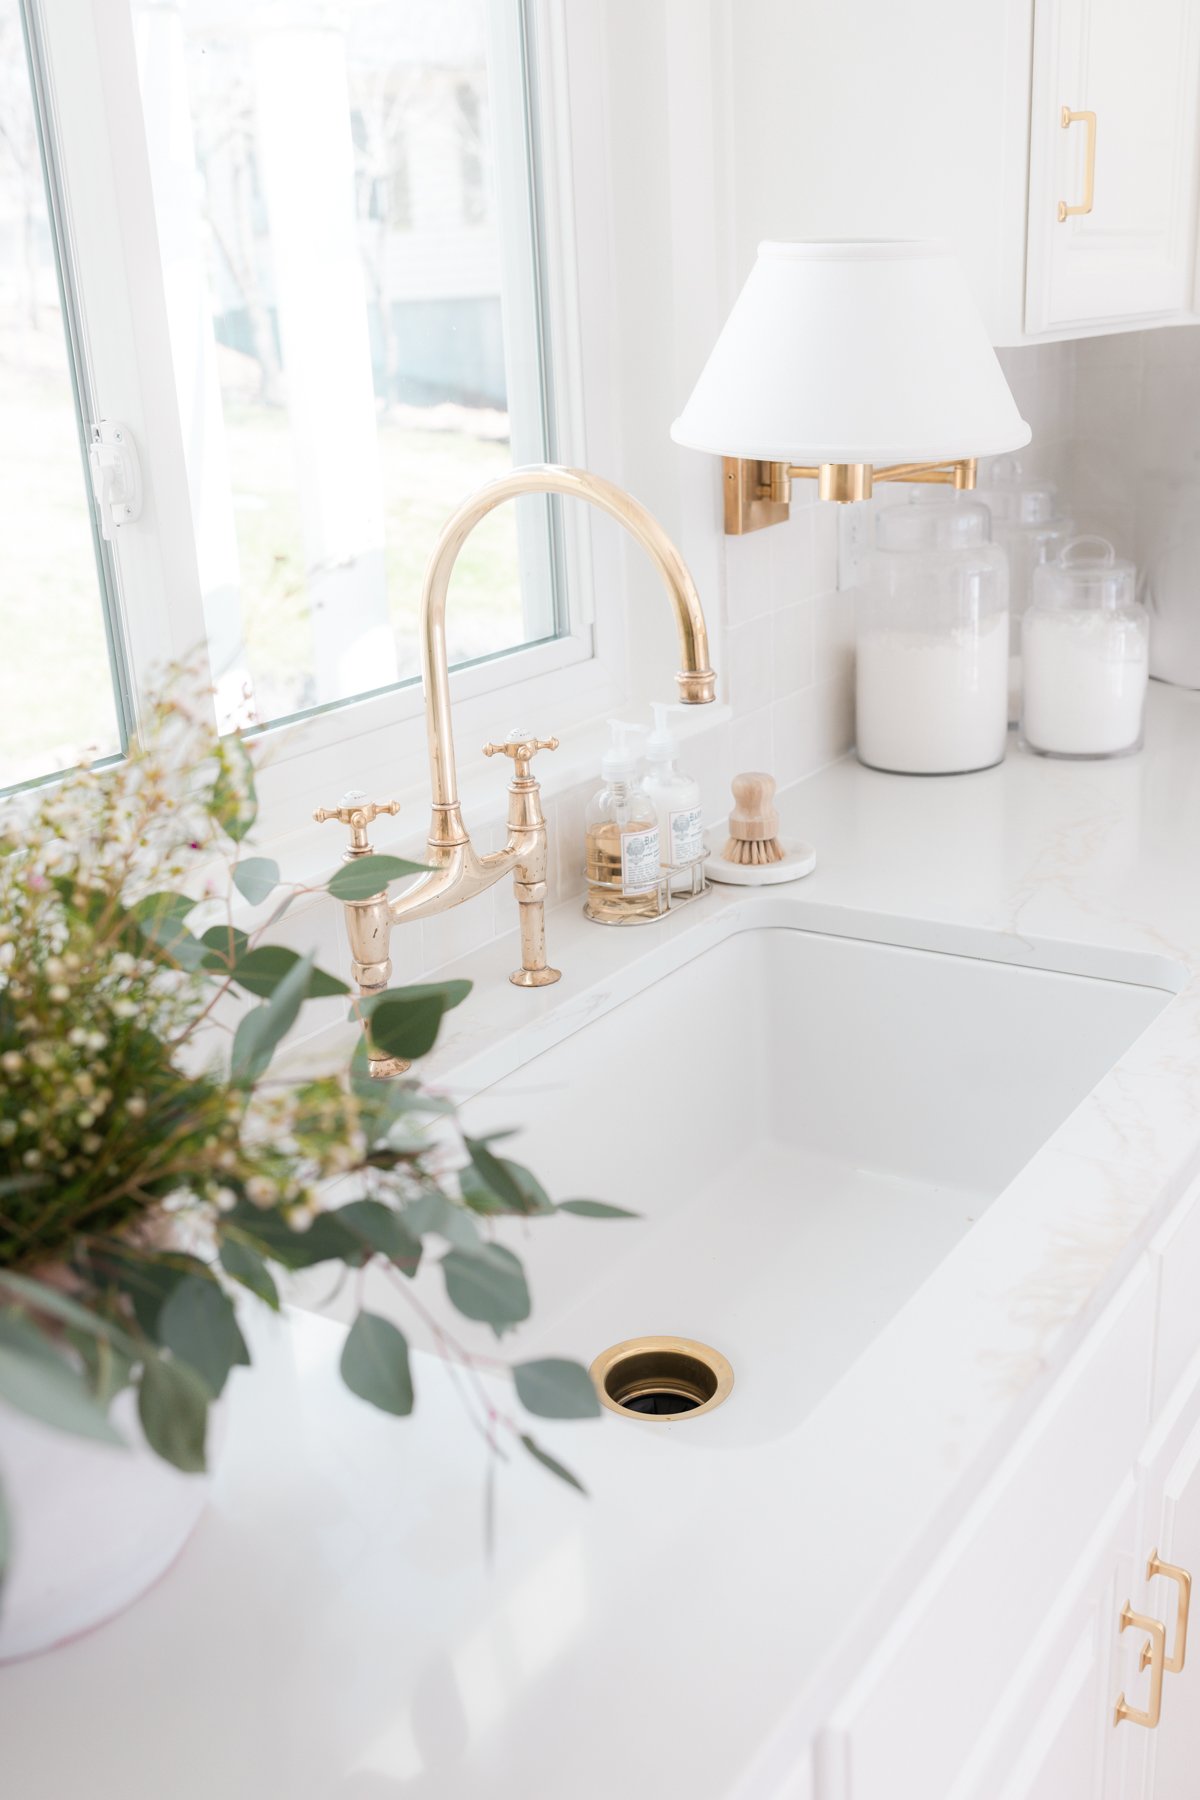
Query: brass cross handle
pixel 357 812
pixel 522 750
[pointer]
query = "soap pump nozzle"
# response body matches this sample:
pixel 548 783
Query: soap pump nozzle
pixel 662 745
pixel 619 762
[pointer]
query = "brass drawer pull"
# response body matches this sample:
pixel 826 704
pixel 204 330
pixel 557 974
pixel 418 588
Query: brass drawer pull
pixel 1174 1664
pixel 1154 1657
pixel 1066 120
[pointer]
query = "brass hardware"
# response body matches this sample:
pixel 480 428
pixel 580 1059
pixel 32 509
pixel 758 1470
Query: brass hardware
pixel 457 871
pixel 522 751
pixel 1068 118
pixel 357 812
pixel 1173 1664
pixel 1154 1658
pixel 752 497
pixel 759 493
pixel 662 1378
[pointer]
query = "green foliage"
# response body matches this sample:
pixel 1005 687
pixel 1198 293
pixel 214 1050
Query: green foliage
pixel 367 876
pixel 549 1462
pixel 256 878
pixel 173 1410
pixel 197 1324
pixel 487 1283
pixel 375 1364
pixel 554 1388
pixel 595 1209
pixel 37 1379
pixel 148 1185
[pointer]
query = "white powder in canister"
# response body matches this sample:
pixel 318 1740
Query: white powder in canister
pixel 1084 681
pixel 933 703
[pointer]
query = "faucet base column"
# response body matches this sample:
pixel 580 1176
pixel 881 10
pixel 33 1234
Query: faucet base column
pixel 534 971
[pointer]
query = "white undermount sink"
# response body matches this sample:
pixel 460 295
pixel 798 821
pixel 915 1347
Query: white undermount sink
pixel 807 1124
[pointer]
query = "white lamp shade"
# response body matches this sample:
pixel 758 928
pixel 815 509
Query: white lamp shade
pixel 857 352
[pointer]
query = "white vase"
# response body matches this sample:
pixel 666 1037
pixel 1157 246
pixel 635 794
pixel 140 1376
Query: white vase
pixel 93 1526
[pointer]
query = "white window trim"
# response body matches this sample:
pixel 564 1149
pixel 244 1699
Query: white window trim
pixel 378 743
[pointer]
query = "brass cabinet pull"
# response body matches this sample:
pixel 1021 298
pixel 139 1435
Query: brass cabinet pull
pixel 1066 120
pixel 1156 1566
pixel 1154 1658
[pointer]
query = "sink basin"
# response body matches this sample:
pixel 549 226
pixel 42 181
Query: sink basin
pixel 807 1124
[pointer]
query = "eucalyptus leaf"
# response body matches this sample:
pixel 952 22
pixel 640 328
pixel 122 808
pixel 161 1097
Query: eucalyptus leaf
pixel 555 1388
pixel 435 1212
pixel 487 1283
pixel 261 970
pixel 262 1027
pixel 549 1462
pixel 223 945
pixel 326 1239
pixel 375 1364
pixel 244 1265
pixel 109 1369
pixel 383 1231
pixel 40 1297
pixel 235 803
pixel 173 1409
pixel 407 1028
pixel 145 1281
pixel 160 920
pixel 256 878
pixel 452 994
pixel 494 1184
pixel 367 876
pixel 199 1327
pixel 38 1380
pixel 595 1209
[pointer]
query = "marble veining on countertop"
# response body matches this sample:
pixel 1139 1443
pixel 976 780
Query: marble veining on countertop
pixel 334 1629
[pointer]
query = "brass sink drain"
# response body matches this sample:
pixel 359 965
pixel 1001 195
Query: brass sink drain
pixel 662 1378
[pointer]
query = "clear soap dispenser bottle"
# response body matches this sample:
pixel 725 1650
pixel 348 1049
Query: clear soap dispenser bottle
pixel 675 798
pixel 623 873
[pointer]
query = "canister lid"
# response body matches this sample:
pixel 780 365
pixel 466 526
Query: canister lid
pixel 922 523
pixel 1014 498
pixel 1087 572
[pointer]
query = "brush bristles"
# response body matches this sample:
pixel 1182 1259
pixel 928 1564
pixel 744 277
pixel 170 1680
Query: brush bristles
pixel 753 851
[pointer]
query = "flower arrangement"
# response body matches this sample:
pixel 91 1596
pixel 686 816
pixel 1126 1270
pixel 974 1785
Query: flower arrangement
pixel 153 1162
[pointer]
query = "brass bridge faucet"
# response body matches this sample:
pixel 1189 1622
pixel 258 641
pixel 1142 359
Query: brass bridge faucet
pixel 457 872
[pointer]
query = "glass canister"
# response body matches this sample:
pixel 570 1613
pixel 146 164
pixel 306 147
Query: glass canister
pixel 1030 529
pixel 932 641
pixel 1085 645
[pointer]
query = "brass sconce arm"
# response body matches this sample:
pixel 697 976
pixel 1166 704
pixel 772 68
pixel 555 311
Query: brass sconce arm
pixel 759 493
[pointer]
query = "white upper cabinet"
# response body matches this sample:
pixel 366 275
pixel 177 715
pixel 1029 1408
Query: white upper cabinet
pixel 1112 169
pixel 943 118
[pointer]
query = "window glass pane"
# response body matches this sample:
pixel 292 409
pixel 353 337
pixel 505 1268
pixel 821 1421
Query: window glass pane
pixel 56 692
pixel 334 225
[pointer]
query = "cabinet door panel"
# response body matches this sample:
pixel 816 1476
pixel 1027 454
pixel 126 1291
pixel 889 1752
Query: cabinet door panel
pixel 1175 1752
pixel 1135 68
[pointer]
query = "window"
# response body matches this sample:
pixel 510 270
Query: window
pixel 306 248
pixel 329 227
pixel 56 695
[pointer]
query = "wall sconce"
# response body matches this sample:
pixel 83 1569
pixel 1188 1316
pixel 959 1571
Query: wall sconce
pixel 848 363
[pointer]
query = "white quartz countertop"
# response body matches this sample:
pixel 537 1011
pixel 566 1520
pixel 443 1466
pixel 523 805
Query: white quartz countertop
pixel 335 1628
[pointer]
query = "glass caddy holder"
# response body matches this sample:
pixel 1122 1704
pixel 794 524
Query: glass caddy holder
pixel 665 902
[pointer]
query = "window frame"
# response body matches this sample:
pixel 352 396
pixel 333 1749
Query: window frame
pixel 88 71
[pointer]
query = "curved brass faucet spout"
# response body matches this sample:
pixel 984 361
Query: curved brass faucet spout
pixel 697 683
pixel 457 871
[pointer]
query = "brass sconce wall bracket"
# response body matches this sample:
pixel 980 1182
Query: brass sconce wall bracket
pixel 759 493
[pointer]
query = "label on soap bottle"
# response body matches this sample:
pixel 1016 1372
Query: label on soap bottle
pixel 687 836
pixel 639 860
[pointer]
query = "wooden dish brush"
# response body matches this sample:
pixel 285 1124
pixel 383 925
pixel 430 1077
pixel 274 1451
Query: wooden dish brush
pixel 754 822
